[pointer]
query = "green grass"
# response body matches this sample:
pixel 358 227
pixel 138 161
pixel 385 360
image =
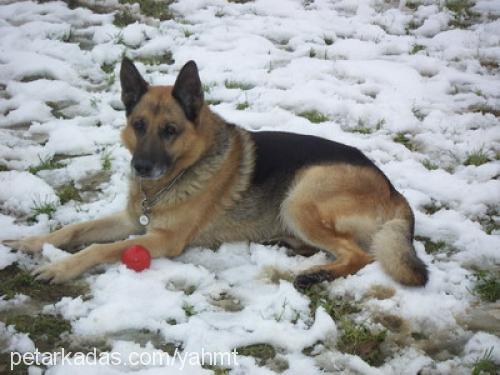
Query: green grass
pixel 485 365
pixel 187 33
pixel 15 280
pixel 412 4
pixel 405 140
pixel 238 85
pixel 358 340
pixel 153 8
pixel 44 329
pixel 164 58
pixel 189 309
pixel 242 106
pixel 314 116
pixel 416 49
pixel 476 158
pixel 3 168
pixel 431 247
pixel 207 87
pixel 337 308
pixel 462 14
pixel 108 68
pixel 45 207
pixel 488 286
pixel 428 164
pixel 68 193
pixel 123 18
pixel 261 352
pixel 361 128
pixel 106 161
pixel 45 164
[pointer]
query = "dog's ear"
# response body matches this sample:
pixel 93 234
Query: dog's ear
pixel 133 85
pixel 188 91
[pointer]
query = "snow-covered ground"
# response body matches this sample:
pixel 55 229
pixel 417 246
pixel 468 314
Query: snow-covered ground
pixel 413 84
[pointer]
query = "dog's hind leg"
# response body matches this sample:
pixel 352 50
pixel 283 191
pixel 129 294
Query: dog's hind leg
pixel 336 210
pixel 111 228
pixel 350 258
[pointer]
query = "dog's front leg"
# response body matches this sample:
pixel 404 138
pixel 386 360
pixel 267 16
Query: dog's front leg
pixel 111 228
pixel 159 243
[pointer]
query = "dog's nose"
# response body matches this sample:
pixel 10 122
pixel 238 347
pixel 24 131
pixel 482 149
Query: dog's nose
pixel 143 167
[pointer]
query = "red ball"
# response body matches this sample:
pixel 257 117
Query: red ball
pixel 136 258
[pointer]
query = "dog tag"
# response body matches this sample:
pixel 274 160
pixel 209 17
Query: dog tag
pixel 144 220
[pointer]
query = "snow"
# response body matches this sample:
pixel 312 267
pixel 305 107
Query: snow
pixel 353 61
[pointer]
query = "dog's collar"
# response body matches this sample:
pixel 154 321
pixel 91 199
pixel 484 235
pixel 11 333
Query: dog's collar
pixel 147 204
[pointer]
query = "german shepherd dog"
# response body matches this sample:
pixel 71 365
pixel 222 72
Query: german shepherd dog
pixel 200 181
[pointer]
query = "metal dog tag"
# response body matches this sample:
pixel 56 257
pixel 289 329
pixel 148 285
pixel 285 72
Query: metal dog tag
pixel 144 220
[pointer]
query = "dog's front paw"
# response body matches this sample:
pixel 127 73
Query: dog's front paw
pixel 58 271
pixel 307 279
pixel 29 244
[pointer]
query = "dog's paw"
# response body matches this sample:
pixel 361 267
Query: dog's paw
pixel 309 278
pixel 58 272
pixel 28 245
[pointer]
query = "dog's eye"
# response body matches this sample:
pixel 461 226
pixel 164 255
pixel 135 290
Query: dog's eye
pixel 139 126
pixel 168 131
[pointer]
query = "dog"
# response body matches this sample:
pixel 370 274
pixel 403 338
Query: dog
pixel 198 180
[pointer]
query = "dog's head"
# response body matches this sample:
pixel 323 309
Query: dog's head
pixel 163 122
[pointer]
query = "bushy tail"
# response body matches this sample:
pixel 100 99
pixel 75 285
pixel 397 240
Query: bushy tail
pixel 393 248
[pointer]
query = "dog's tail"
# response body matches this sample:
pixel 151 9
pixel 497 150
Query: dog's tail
pixel 393 247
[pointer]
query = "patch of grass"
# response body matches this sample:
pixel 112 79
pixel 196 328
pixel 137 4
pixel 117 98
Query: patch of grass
pixel 485 365
pixel 314 116
pixel 485 109
pixel 45 207
pixel 164 58
pixel 462 14
pixel 361 128
pixel 261 352
pixel 45 164
pixel 3 168
pixel 337 308
pixel 217 370
pixel 68 192
pixel 416 49
pixel 189 309
pixel 405 140
pixel 108 68
pixel 357 339
pixel 312 53
pixel 433 207
pixel 123 18
pixel 491 221
pixel 44 329
pixel 418 113
pixel 220 13
pixel 242 106
pixel 488 285
pixel 431 247
pixel 238 85
pixel 412 4
pixel 428 164
pixel 15 280
pixel 476 158
pixel 212 101
pixel 187 33
pixel 153 8
pixel 106 161
pixel 207 87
